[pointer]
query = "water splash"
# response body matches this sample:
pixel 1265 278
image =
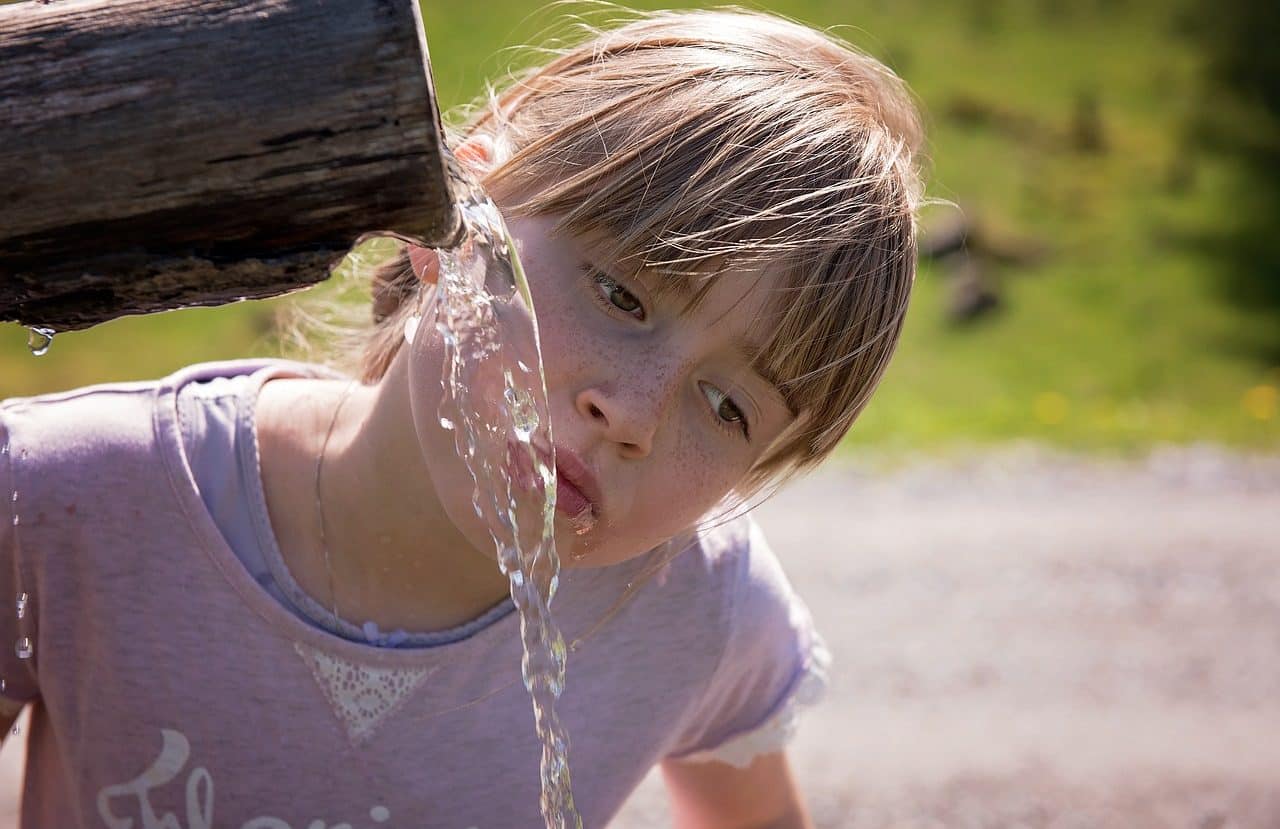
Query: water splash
pixel 495 403
pixel 39 339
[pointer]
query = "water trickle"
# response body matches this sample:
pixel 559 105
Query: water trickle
pixel 24 648
pixel 39 339
pixel 495 403
pixel 22 605
pixel 524 412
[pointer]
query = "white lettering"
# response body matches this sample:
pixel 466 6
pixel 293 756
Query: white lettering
pixel 175 749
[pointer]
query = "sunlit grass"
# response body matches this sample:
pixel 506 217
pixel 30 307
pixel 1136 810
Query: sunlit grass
pixel 1118 339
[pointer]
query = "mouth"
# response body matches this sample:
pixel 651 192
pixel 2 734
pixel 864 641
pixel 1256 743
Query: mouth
pixel 577 491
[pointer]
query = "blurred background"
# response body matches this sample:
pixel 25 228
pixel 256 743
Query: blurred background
pixel 1053 588
pixel 1113 163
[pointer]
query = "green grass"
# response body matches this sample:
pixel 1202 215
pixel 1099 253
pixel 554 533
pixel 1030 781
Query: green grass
pixel 1120 338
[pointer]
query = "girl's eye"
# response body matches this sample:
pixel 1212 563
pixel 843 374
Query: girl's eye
pixel 728 414
pixel 619 297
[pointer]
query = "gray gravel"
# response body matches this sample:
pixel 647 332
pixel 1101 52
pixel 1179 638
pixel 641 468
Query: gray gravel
pixel 1026 639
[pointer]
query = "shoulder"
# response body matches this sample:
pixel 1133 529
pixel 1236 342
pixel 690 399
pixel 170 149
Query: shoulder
pixel 685 598
pixel 101 431
pixel 72 424
pixel 732 565
pixel 109 413
pixel 723 591
pixel 768 655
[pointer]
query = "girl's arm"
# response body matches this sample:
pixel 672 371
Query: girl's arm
pixel 712 795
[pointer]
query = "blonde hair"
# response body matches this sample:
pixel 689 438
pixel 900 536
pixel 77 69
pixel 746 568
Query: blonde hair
pixel 706 143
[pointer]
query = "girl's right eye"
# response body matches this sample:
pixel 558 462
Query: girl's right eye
pixel 616 297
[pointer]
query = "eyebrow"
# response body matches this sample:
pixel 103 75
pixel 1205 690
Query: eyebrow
pixel 681 286
pixel 751 353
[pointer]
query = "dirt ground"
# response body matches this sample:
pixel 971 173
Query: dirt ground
pixel 1030 640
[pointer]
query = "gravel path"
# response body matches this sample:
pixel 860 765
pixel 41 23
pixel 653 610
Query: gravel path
pixel 1031 640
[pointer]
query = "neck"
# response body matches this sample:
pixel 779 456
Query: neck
pixel 389 552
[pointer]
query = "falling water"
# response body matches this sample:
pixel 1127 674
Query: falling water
pixel 39 339
pixel 24 647
pixel 495 403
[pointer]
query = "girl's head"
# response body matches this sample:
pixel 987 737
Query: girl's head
pixel 735 195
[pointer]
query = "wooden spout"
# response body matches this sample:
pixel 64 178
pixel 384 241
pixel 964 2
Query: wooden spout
pixel 156 154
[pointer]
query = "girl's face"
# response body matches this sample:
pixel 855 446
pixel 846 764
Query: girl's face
pixel 656 412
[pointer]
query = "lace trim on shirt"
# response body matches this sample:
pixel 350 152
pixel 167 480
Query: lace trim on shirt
pixel 361 696
pixel 776 732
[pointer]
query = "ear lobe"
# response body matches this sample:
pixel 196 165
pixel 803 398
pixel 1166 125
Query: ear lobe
pixel 477 153
pixel 425 264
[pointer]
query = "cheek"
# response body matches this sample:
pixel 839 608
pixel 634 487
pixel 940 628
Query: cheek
pixel 689 478
pixel 566 347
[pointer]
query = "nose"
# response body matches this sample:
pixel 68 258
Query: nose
pixel 627 418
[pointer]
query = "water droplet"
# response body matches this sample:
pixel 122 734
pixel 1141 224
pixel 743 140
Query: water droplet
pixel 24 648
pixel 524 416
pixel 1 686
pixel 446 423
pixel 22 605
pixel 39 339
pixel 411 328
pixel 16 731
pixel 380 814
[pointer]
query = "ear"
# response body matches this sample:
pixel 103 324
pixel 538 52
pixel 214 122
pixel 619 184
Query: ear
pixel 425 264
pixel 477 152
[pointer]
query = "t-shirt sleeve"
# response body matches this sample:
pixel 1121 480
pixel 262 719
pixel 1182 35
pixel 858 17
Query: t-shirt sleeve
pixel 17 609
pixel 774 665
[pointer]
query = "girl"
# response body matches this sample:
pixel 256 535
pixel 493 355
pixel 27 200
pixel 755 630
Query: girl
pixel 250 596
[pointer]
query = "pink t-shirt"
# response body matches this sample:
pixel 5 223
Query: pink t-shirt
pixel 175 692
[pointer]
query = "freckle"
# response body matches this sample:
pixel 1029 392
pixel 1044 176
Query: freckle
pixel 71 509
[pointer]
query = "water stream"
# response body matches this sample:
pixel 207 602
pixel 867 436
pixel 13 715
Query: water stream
pixel 495 403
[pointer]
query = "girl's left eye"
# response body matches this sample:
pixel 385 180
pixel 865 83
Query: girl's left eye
pixel 728 414
pixel 618 297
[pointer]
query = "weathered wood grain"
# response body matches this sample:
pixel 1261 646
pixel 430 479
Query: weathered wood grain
pixel 163 153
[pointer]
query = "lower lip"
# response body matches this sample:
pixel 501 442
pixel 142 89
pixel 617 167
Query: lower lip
pixel 575 506
pixel 570 502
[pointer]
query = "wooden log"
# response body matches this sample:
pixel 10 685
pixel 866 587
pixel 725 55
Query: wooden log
pixel 165 153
